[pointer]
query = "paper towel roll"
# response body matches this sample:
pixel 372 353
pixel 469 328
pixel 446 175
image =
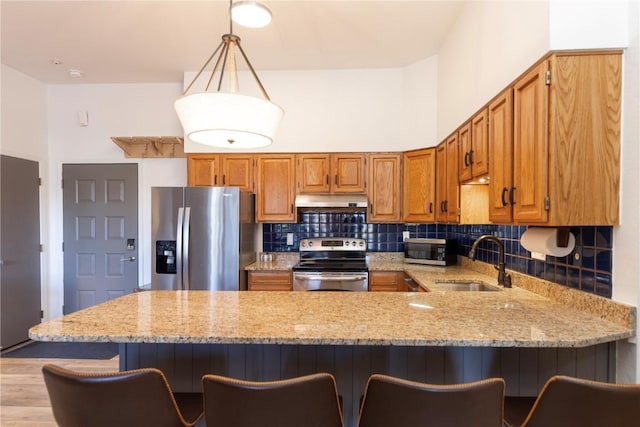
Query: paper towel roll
pixel 544 240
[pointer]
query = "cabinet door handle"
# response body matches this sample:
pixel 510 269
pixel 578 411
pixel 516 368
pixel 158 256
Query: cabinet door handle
pixel 505 190
pixel 431 207
pixel 224 179
pixel 471 157
pixel 511 197
pixel 327 179
pixel 466 159
pixel 215 180
pixel 446 206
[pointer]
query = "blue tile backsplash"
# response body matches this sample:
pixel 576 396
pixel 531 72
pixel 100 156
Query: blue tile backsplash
pixel 587 268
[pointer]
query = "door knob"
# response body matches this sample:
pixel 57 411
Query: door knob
pixel 130 259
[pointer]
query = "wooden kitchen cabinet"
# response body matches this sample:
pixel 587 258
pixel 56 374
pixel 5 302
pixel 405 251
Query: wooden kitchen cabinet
pixel 500 112
pixel 270 281
pixel 447 185
pixel 231 170
pixel 337 173
pixel 419 186
pixel 387 281
pixel 275 190
pixel 384 187
pixel 474 149
pixel 566 142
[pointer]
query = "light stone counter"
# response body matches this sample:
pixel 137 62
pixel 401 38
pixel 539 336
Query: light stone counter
pixel 506 318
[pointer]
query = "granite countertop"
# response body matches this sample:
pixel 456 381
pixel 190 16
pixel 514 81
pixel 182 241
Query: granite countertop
pixel 506 318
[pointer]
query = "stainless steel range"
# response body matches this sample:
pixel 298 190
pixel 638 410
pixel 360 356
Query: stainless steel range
pixel 331 264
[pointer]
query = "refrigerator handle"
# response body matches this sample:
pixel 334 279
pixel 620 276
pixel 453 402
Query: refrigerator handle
pixel 185 249
pixel 179 241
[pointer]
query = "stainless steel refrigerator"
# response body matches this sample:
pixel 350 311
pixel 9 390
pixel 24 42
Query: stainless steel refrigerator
pixel 202 237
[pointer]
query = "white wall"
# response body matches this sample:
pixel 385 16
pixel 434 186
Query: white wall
pixel 490 44
pixel 114 110
pixel 626 260
pixel 23 113
pixel 333 110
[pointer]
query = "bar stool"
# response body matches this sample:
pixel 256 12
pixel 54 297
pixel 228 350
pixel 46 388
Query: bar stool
pixel 140 397
pixel 390 401
pixel 574 402
pixel 310 400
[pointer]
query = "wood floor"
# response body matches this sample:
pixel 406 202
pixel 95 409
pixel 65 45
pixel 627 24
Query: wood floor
pixel 23 396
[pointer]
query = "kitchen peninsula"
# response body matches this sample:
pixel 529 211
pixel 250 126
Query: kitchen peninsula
pixel 438 336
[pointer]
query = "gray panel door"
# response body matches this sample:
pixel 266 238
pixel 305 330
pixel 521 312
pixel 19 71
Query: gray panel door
pixel 100 210
pixel 20 246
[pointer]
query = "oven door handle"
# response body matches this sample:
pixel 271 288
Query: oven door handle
pixel 329 277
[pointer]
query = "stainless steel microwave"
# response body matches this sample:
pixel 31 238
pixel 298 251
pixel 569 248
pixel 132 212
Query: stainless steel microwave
pixel 431 251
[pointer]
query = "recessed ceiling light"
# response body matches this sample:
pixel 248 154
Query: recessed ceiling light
pixel 76 74
pixel 250 14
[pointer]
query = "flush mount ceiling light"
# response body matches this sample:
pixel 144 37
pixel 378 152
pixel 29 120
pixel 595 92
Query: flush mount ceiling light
pixel 250 14
pixel 227 118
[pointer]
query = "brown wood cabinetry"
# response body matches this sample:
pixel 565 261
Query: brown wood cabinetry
pixel 501 154
pixel 270 281
pixel 275 192
pixel 474 150
pixel 387 281
pixel 384 187
pixel 336 173
pixel 418 186
pixel 447 186
pixel 232 170
pixel 566 143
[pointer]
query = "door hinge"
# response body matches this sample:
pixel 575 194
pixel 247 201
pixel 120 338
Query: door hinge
pixel 547 77
pixel 42 314
pixel 39 182
pixel 62 183
pixel 41 247
pixel 62 246
pixel 547 203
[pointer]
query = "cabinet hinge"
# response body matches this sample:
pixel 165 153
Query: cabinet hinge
pixel 547 203
pixel 547 77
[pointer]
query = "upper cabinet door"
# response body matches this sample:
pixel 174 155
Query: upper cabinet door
pixel 275 188
pixel 479 157
pixel 466 153
pixel 349 173
pixel 203 169
pixel 441 182
pixel 237 171
pixel 530 146
pixel 313 173
pixel 331 173
pixel 419 186
pixel 452 203
pixel 501 155
pixel 384 187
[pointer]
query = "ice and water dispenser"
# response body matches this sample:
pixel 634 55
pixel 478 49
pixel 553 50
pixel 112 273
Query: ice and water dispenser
pixel 166 256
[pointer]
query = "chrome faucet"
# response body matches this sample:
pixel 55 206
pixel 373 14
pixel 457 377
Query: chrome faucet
pixel 504 278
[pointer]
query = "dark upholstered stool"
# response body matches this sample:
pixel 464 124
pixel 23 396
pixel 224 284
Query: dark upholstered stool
pixel 573 402
pixel 390 401
pixel 140 397
pixel 310 401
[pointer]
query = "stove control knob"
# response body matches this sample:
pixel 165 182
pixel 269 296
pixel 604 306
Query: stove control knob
pixel 303 244
pixel 346 243
pixel 354 244
pixel 310 243
pixel 361 244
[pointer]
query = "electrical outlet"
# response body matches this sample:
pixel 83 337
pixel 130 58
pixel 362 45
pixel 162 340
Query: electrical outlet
pixel 290 239
pixel 538 256
pixel 405 235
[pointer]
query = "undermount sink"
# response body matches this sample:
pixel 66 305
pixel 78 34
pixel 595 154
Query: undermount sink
pixel 466 286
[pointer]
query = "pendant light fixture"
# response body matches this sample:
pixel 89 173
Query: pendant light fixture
pixel 221 116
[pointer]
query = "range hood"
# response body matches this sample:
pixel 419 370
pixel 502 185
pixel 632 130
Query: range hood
pixel 327 201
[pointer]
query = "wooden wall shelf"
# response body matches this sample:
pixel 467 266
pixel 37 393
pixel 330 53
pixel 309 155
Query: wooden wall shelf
pixel 150 146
